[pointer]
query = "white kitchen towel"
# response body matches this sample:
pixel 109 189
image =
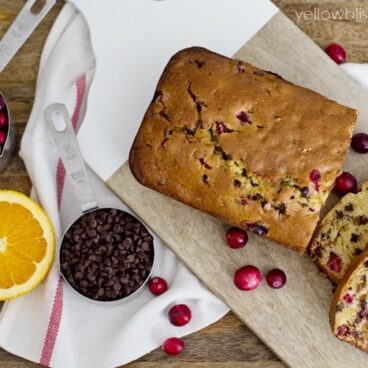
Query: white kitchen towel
pixel 52 325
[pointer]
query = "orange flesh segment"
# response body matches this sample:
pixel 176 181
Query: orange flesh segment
pixel 24 244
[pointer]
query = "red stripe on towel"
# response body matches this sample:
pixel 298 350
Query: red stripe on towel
pixel 57 307
pixel 54 324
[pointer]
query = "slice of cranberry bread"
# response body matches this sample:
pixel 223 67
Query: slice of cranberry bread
pixel 349 309
pixel 342 235
pixel 242 144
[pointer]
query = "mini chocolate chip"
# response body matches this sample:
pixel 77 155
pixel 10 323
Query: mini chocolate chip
pixel 339 214
pixel 256 197
pixel 281 208
pixel 304 192
pixel 257 229
pixel 357 251
pixel 349 207
pixel 237 183
pixel 83 284
pixel 354 238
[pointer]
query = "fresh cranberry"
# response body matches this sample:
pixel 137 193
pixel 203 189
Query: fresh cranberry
pixel 236 238
pixel 336 53
pixel 180 315
pixel 343 330
pixel 243 117
pixel 173 346
pixel 360 143
pixel 247 278
pixel 348 298
pixel 2 138
pixel 157 285
pixel 204 164
pixel 3 120
pixel 334 262
pixel 315 177
pixel 221 127
pixel 276 278
pixel 346 183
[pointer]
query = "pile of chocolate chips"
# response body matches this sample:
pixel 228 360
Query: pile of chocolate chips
pixel 106 255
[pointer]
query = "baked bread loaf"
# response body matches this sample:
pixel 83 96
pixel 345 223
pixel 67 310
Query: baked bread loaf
pixel 342 234
pixel 242 144
pixel 349 309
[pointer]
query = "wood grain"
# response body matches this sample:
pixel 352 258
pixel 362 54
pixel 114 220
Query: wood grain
pixel 227 343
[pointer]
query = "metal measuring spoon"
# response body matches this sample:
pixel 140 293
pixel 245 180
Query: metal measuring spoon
pixel 128 260
pixel 25 23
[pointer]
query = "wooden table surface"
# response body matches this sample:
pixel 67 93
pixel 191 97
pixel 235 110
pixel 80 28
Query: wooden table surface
pixel 227 343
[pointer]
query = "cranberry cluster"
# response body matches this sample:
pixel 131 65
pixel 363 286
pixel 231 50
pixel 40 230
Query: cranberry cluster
pixel 4 123
pixel 250 277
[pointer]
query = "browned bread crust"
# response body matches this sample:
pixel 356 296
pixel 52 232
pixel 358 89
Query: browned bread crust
pixel 242 144
pixel 349 308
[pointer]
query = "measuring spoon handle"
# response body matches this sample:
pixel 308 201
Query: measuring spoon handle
pixel 22 27
pixel 59 123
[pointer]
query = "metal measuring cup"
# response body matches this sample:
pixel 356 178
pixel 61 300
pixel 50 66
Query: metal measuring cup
pixel 58 121
pixel 24 24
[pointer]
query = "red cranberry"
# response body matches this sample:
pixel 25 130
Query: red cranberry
pixel 2 138
pixel 360 143
pixel 276 278
pixel 236 238
pixel 348 298
pixel 157 286
pixel 336 53
pixel 346 183
pixel 334 262
pixel 315 177
pixel 204 164
pixel 3 120
pixel 173 346
pixel 343 330
pixel 221 127
pixel 247 278
pixel 180 315
pixel 243 117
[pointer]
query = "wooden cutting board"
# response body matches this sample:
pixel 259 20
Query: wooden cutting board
pixel 292 321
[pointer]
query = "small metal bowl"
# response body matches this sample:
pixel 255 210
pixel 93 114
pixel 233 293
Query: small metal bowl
pixel 7 150
pixel 123 299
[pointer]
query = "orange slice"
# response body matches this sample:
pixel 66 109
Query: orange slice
pixel 27 244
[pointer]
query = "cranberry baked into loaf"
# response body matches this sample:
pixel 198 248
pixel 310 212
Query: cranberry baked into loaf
pixel 242 144
pixel 342 235
pixel 349 308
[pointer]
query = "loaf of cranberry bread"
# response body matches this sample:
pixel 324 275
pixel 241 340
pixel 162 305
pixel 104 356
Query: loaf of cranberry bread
pixel 242 144
pixel 349 309
pixel 342 235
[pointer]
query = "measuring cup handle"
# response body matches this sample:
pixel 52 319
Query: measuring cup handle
pixel 58 120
